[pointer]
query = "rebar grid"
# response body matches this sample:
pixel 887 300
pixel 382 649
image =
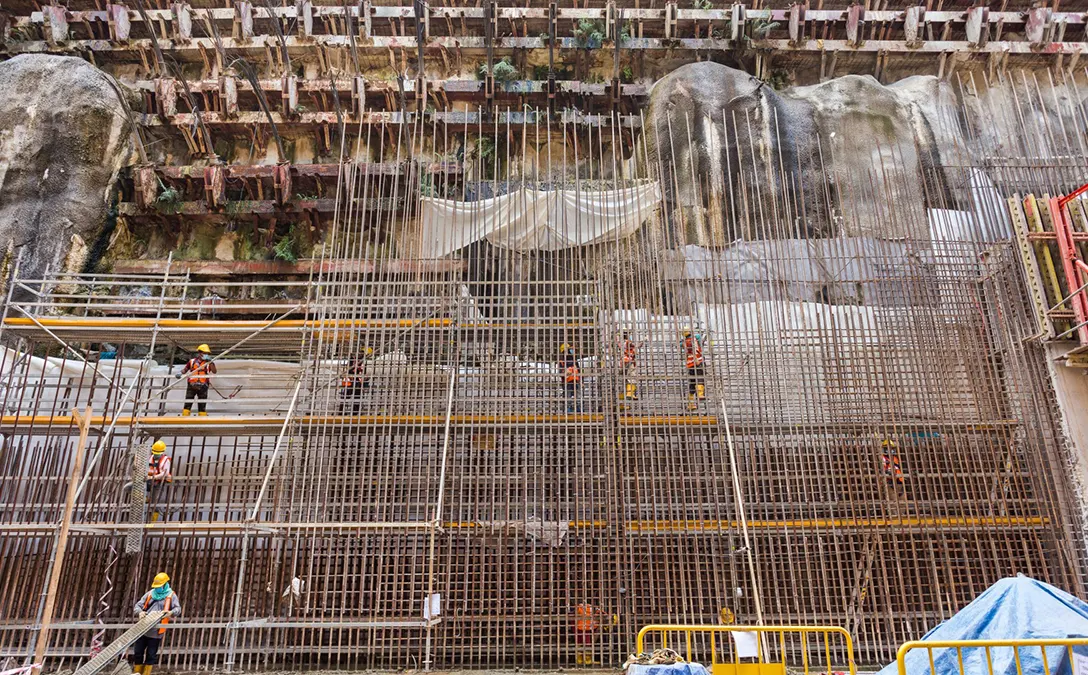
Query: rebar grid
pixel 460 471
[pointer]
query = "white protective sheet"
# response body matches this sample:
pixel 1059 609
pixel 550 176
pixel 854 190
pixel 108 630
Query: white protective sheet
pixel 534 220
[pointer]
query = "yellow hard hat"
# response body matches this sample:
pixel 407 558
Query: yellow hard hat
pixel 563 347
pixel 204 349
pixel 369 351
pixel 158 448
pixel 687 332
pixel 889 443
pixel 161 579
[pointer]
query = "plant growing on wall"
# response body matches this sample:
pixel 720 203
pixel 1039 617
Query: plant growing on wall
pixel 293 245
pixel 761 28
pixel 169 199
pixel 503 70
pixel 589 34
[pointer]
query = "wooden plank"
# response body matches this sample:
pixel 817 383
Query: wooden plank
pixel 84 421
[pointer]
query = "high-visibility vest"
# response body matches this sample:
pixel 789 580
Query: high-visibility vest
pixel 573 375
pixel 165 607
pixel 694 352
pixel 160 465
pixel 198 371
pixel 357 372
pixel 585 618
pixel 629 352
pixel 891 465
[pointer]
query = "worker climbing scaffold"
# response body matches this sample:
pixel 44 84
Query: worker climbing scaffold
pixel 889 460
pixel 145 652
pixel 693 361
pixel 199 368
pixel 572 378
pixel 159 476
pixel 629 356
pixel 354 383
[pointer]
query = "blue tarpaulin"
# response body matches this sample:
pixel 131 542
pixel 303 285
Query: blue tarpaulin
pixel 1014 608
pixel 671 669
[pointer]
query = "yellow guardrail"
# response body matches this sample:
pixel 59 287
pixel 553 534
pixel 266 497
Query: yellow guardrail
pixel 729 649
pixel 1052 656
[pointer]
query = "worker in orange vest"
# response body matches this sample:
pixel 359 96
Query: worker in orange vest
pixel 587 624
pixel 572 378
pixel 159 475
pixel 629 352
pixel 199 368
pixel 889 459
pixel 145 652
pixel 693 360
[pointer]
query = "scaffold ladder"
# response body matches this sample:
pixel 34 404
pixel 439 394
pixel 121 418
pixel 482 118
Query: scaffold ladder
pixel 118 646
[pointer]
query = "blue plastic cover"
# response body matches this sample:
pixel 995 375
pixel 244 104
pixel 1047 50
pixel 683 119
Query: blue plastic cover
pixel 1014 608
pixel 671 669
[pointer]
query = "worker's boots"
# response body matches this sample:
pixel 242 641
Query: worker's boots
pixel 700 391
pixel 203 413
pixel 631 392
pixel 147 670
pixel 692 405
pixel 185 412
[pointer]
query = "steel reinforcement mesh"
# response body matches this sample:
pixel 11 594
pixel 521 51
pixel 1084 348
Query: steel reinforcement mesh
pixel 871 448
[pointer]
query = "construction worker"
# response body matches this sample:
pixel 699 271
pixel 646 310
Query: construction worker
pixel 693 360
pixel 572 378
pixel 199 369
pixel 145 652
pixel 159 475
pixel 353 384
pixel 889 460
pixel 629 354
pixel 587 624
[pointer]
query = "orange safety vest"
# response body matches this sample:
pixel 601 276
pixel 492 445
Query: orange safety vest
pixel 350 381
pixel 694 352
pixel 585 620
pixel 198 371
pixel 161 464
pixel 629 352
pixel 166 608
pixel 892 469
pixel 573 374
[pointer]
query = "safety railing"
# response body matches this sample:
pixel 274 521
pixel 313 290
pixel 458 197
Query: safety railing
pixel 1057 656
pixel 757 650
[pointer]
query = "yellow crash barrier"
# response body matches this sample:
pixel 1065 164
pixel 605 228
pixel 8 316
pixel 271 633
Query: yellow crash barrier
pixel 757 650
pixel 995 657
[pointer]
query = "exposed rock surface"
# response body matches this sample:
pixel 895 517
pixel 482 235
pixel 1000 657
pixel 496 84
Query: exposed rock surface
pixel 64 136
pixel 874 144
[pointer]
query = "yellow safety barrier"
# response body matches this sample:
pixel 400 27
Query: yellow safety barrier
pixel 800 649
pixel 996 657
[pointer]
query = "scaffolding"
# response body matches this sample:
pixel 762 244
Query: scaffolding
pixel 394 473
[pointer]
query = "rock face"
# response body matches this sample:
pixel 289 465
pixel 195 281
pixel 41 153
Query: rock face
pixel 832 154
pixel 64 136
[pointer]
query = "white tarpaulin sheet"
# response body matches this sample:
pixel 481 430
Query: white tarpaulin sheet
pixel 535 220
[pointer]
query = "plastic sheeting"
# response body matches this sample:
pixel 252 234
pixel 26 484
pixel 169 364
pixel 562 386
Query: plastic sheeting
pixel 669 669
pixel 535 220
pixel 1013 608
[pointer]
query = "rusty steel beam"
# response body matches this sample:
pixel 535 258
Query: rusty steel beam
pixel 276 268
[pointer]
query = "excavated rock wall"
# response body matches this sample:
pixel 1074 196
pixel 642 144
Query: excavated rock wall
pixel 64 136
pixel 848 157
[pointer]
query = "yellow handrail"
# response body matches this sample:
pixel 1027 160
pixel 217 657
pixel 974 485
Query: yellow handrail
pixel 989 646
pixel 805 633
